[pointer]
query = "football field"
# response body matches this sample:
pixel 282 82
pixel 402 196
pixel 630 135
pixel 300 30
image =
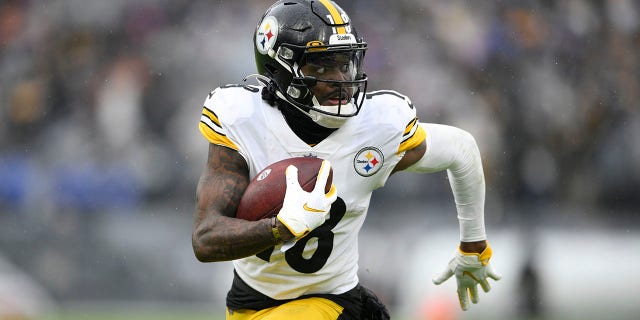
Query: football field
pixel 163 314
pixel 129 311
pixel 136 315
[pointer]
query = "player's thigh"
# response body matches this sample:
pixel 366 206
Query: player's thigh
pixel 308 309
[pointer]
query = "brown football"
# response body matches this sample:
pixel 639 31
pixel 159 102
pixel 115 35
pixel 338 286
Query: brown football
pixel 265 193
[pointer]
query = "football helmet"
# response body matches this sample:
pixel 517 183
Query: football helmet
pixel 300 44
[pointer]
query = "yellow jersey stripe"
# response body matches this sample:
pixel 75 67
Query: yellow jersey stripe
pixel 211 120
pixel 212 130
pixel 211 115
pixel 335 15
pixel 216 137
pixel 410 126
pixel 414 140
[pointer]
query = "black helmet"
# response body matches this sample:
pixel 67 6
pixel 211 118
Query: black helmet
pixel 294 33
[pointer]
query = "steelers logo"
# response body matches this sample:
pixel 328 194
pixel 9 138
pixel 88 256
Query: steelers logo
pixel 267 34
pixel 368 161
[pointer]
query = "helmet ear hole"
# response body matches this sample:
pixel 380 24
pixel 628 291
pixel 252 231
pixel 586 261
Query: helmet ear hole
pixel 293 92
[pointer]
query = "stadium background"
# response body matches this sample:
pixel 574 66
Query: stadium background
pixel 100 153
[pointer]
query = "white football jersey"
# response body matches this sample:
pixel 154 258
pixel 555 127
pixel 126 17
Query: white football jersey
pixel 362 153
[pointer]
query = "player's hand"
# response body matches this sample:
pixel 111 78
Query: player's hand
pixel 304 211
pixel 471 270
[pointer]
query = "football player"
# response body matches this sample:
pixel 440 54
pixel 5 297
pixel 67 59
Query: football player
pixel 311 101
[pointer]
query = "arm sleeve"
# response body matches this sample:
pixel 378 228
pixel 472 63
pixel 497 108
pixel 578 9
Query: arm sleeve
pixel 455 150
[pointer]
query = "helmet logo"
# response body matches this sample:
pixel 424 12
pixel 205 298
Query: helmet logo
pixel 267 34
pixel 316 45
pixel 368 161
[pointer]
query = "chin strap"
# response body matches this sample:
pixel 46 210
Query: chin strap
pixel 284 98
pixel 326 121
pixel 262 80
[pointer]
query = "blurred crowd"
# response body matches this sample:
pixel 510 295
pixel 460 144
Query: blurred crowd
pixel 100 99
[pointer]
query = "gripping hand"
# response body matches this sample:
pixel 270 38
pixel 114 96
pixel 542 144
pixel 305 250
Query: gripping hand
pixel 304 211
pixel 470 270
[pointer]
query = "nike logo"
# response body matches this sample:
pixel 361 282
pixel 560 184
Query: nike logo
pixel 470 275
pixel 306 207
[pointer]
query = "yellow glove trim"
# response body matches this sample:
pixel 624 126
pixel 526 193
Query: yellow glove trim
pixel 297 235
pixel 470 275
pixel 483 257
pixel 307 208
pixel 332 191
pixel 329 194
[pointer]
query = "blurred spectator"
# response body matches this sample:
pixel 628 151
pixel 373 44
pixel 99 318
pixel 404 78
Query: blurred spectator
pixel 99 100
pixel 549 88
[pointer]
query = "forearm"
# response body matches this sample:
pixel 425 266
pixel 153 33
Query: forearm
pixel 455 150
pixel 467 183
pixel 217 234
pixel 220 238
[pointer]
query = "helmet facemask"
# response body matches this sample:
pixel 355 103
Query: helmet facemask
pixel 337 74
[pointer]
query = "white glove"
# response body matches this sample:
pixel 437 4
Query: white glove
pixel 304 211
pixel 470 269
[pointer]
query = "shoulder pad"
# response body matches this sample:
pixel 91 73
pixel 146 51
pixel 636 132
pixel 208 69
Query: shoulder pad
pixel 223 106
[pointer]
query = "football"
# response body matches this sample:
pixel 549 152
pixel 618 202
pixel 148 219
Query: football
pixel 265 193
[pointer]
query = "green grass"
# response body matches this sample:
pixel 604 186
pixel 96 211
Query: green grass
pixel 162 315
pixel 135 315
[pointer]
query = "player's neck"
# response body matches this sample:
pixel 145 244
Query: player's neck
pixel 307 130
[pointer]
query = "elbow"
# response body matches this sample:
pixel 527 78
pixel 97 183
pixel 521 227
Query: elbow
pixel 199 251
pixel 202 251
pixel 468 140
pixel 468 150
pixel 467 162
pixel 200 254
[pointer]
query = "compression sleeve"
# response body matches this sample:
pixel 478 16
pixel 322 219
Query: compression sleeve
pixel 455 150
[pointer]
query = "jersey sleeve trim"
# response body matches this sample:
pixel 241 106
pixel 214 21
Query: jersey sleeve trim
pixel 212 130
pixel 413 135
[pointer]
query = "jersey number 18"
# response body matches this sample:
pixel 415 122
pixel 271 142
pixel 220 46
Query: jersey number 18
pixel 324 236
